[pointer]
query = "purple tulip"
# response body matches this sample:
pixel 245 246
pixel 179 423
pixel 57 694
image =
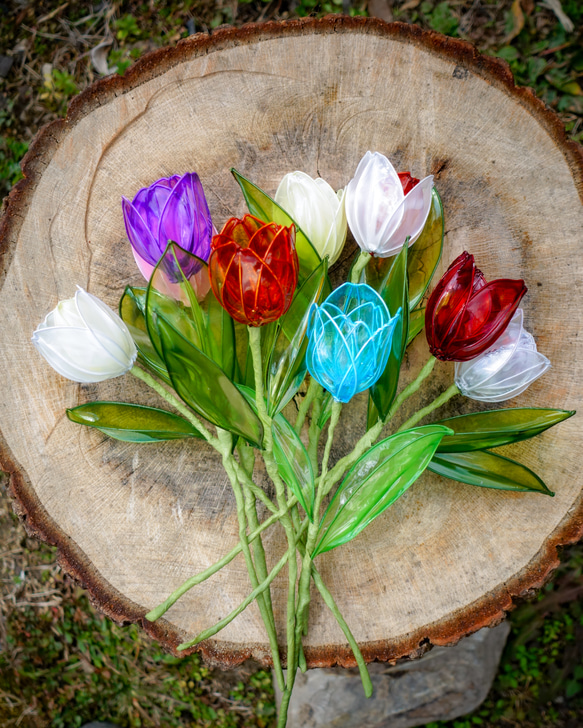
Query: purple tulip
pixel 172 208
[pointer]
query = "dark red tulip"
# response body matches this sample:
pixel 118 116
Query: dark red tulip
pixel 254 269
pixel 465 314
pixel 407 181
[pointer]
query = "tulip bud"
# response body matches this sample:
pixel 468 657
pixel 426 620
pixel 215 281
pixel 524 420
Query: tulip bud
pixel 254 269
pixel 317 209
pixel 85 341
pixel 382 210
pixel 506 369
pixel 465 315
pixel 349 340
pixel 173 208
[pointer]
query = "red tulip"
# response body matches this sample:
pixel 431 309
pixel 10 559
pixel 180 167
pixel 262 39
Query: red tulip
pixel 408 181
pixel 465 314
pixel 254 269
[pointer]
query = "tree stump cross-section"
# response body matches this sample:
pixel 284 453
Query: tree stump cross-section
pixel 132 522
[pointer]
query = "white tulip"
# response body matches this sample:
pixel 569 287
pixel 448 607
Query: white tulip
pixel 85 341
pixel 506 369
pixel 379 214
pixel 317 209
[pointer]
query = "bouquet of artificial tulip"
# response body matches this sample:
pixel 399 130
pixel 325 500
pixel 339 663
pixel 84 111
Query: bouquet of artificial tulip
pixel 233 326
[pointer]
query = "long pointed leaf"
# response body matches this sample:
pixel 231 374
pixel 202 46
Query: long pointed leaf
pixel 487 470
pixel 416 324
pixel 265 208
pixel 132 422
pixel 287 365
pixel 293 463
pixel 203 385
pixel 498 427
pixel 395 293
pixel 375 482
pixel 132 306
pixel 425 252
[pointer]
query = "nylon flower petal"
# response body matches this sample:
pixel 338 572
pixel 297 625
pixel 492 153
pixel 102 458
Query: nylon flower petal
pixel 317 209
pixel 253 269
pixel 465 315
pixel 383 207
pixel 506 369
pixel 173 208
pixel 349 340
pixel 85 341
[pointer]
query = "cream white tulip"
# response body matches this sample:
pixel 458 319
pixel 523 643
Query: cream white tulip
pixel 85 341
pixel 379 214
pixel 506 369
pixel 317 209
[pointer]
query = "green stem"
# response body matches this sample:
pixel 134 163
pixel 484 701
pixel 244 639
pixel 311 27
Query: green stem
pixel 176 403
pixel 255 489
pixel 359 266
pixel 304 585
pixel 332 606
pixel 368 438
pixel 314 431
pixel 247 457
pixel 226 441
pixel 161 609
pixel 438 402
pixel 305 405
pixel 259 589
pixel 271 467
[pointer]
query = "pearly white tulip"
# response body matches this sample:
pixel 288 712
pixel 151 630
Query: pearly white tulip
pixel 380 215
pixel 84 340
pixel 317 209
pixel 506 369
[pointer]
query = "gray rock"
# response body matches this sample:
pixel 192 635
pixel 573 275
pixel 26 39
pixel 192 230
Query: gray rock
pixel 444 684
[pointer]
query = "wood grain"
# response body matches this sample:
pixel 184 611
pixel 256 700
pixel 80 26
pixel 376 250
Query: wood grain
pixel 132 522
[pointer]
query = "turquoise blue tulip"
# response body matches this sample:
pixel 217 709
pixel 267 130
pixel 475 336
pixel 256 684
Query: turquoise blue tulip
pixel 349 340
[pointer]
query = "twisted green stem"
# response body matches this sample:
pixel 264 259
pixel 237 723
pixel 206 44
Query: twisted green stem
pixel 437 402
pixel 305 405
pixel 271 467
pixel 369 437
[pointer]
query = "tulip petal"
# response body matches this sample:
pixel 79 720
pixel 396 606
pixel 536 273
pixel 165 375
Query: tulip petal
pixel 77 354
pixel 448 299
pixel 139 234
pixel 485 317
pixel 186 218
pixel 373 198
pixel 408 221
pixel 480 370
pixel 110 330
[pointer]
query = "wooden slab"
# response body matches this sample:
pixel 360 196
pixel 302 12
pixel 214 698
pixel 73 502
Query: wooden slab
pixel 132 522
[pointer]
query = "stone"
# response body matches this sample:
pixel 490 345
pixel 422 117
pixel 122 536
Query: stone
pixel 444 684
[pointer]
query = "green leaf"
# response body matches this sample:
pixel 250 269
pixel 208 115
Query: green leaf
pixel 132 422
pixel 221 335
pixel 425 252
pixel 293 463
pixel 375 482
pixel 487 470
pixel 265 208
pixel 132 307
pixel 287 363
pixel 178 281
pixel 204 386
pixel 395 293
pixel 498 427
pixel 416 323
